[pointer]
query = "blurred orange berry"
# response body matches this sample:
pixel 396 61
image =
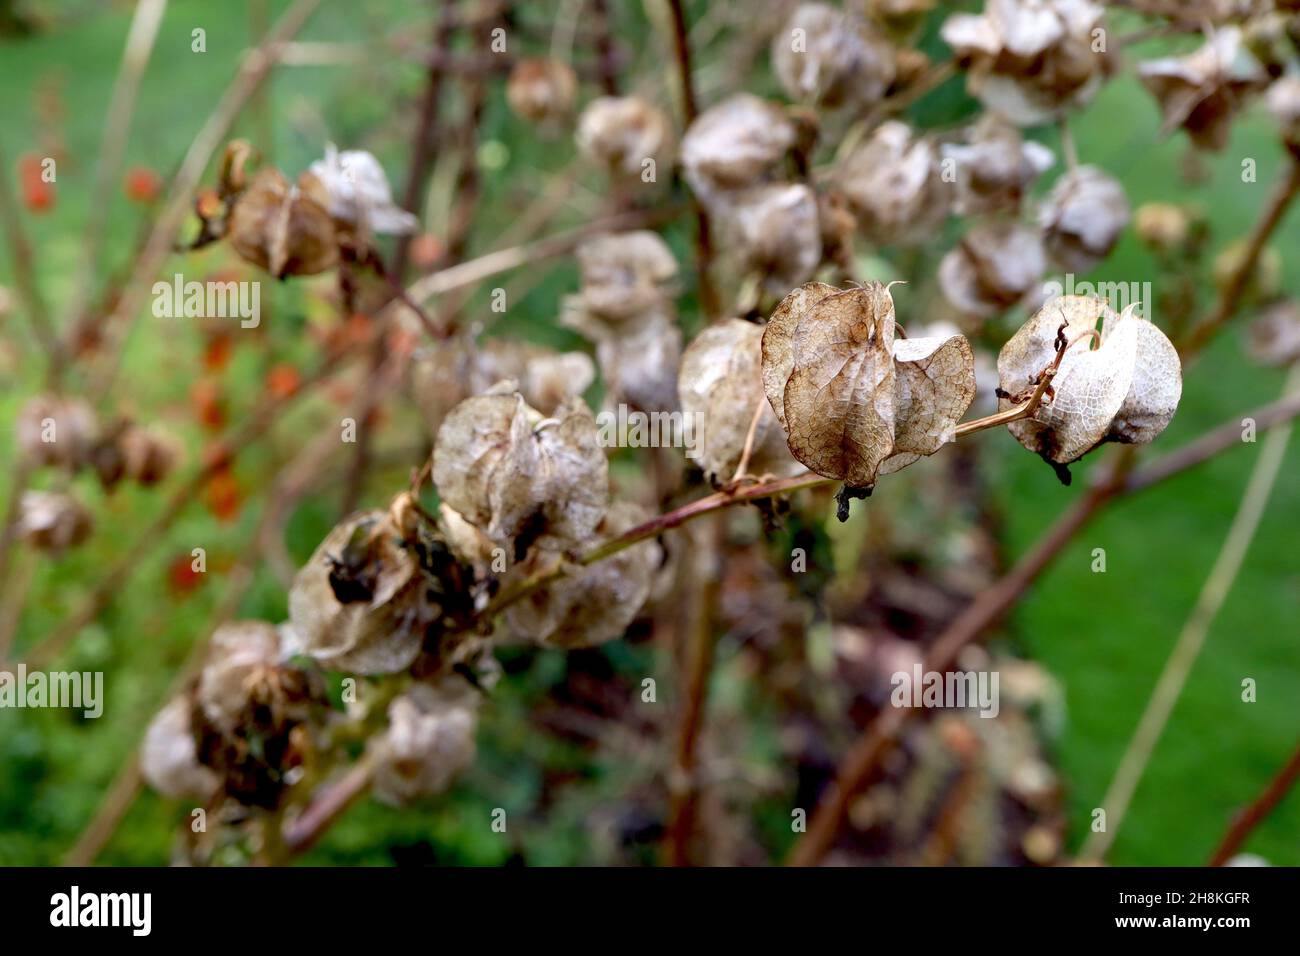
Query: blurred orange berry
pixel 222 496
pixel 142 184
pixel 209 408
pixel 283 380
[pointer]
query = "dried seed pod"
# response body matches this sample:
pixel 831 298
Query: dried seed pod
pixel 240 655
pixel 1274 337
pixel 623 132
pixel 850 397
pixel 1083 217
pixel 639 366
pixel 1202 92
pixel 374 592
pixel 541 91
pixel 829 57
pixel 625 275
pixel 470 545
pixel 735 144
pixel 1163 226
pixel 1030 60
pixel 444 376
pixel 519 477
pixel 993 267
pixel 774 232
pixel 595 603
pixel 1283 101
pixel 58 432
pixel 357 193
pixel 428 741
pixel 1126 389
pixel 53 521
pixel 996 168
pixel 894 186
pixel 721 386
pixel 169 754
pixel 250 711
pixel 282 228
pixel 148 456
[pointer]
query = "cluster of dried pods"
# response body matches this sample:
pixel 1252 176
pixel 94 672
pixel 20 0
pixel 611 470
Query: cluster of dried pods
pixel 829 383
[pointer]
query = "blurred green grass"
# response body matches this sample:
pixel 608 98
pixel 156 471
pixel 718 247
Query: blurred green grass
pixel 1104 636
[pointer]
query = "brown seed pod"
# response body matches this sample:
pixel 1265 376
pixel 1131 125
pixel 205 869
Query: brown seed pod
pixel 894 187
pixel 58 432
pixel 1083 218
pixel 774 232
pixel 1202 92
pixel 592 604
pixel 639 364
pixel 541 91
pixel 251 710
pixel 1126 389
pixel 622 132
pixel 993 268
pixel 53 521
pixel 1274 337
pixel 1163 226
pixel 829 57
pixel 625 275
pixel 1283 102
pixel 1030 60
pixel 721 385
pixel 284 229
pixel 428 741
pixel 995 168
pixel 850 397
pixel 373 593
pixel 735 144
pixel 148 456
pixel 521 478
pixel 169 757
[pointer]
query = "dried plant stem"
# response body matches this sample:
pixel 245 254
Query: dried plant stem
pixel 305 829
pixel 1230 294
pixel 253 72
pixel 503 260
pixel 606 56
pixel 1186 650
pixel 117 126
pixel 986 610
pixel 1258 811
pixel 743 466
pixel 29 293
pixel 683 787
pixel 129 556
pixel 710 302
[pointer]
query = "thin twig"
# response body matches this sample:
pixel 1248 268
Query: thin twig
pixel 1258 811
pixel 253 72
pixel 1186 650
pixel 29 292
